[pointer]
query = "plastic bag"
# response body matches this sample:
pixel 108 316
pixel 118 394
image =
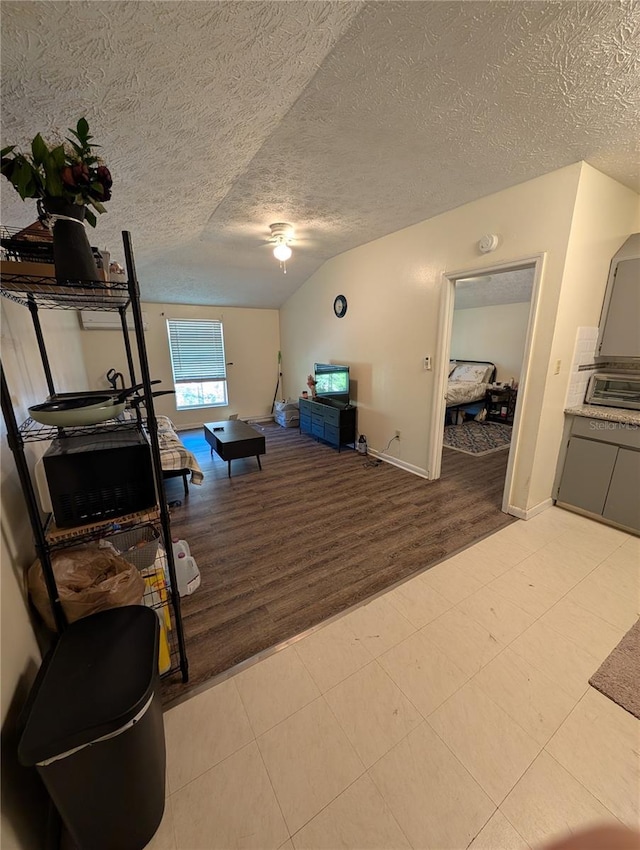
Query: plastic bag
pixel 88 579
pixel 286 404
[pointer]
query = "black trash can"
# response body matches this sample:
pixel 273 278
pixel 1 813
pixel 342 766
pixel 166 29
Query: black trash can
pixel 94 729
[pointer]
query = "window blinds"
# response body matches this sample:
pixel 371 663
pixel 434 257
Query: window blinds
pixel 197 350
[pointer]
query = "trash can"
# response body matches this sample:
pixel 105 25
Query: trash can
pixel 94 729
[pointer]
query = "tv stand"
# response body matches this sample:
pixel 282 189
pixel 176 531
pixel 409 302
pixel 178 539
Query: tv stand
pixel 329 421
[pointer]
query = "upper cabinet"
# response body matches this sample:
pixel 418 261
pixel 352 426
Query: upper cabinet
pixel 620 321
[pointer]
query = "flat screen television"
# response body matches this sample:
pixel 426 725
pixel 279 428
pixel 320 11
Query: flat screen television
pixel 332 382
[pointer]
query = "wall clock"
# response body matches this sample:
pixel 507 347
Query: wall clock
pixel 340 306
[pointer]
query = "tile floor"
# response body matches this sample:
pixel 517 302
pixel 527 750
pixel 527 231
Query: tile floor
pixel 451 712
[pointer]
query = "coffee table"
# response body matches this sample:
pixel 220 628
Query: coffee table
pixel 232 439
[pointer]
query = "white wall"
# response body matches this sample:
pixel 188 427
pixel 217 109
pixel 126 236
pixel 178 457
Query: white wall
pixel 495 333
pixel 395 285
pixel 20 656
pixel 252 342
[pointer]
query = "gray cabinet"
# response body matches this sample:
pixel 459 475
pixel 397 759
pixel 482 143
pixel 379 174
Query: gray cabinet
pixel 587 473
pixel 623 499
pixel 619 324
pixel 334 425
pixel 601 471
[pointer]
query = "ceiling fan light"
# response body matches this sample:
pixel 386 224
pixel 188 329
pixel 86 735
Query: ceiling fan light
pixel 282 252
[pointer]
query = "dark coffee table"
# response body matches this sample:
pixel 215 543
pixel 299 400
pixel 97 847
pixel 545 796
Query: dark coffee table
pixel 233 439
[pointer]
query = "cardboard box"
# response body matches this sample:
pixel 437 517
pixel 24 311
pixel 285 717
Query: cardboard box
pixel 44 280
pixel 28 269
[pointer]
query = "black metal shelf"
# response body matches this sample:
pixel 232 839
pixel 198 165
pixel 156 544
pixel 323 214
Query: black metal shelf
pixel 32 431
pixel 157 592
pixel 47 292
pixel 63 538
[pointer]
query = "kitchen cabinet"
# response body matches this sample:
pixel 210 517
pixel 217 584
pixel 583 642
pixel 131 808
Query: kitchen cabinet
pixel 42 291
pixel 622 502
pixel 587 474
pixel 619 336
pixel 601 471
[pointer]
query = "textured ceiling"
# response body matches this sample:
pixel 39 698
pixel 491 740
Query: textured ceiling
pixel 349 120
pixel 509 287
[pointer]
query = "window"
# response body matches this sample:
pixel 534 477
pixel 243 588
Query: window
pixel 198 362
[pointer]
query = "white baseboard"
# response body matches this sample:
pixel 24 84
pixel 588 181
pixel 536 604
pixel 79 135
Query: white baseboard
pixel 529 513
pixel 401 464
pixel 259 417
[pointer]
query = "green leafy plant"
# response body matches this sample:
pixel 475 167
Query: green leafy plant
pixel 71 172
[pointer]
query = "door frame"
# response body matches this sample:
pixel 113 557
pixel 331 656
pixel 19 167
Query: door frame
pixel 447 304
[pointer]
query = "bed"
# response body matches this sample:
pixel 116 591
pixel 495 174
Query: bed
pixel 468 383
pixel 175 459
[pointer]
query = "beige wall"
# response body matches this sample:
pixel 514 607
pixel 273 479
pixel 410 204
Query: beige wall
pixel 495 333
pixel 21 807
pixel 605 214
pixel 395 286
pixel 252 341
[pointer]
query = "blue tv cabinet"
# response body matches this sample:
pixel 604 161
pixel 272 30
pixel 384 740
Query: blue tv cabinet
pixel 332 423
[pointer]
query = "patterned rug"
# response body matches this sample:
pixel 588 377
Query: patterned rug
pixel 477 438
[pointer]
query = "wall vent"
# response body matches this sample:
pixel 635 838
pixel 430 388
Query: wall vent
pixel 106 320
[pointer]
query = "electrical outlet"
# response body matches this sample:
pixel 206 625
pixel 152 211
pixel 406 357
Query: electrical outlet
pixel 398 435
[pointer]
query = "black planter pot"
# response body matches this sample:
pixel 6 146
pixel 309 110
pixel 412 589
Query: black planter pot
pixel 72 255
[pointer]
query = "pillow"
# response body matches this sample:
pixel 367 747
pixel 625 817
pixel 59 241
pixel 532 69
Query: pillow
pixel 476 372
pixel 452 366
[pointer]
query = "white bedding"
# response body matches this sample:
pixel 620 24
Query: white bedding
pixel 463 392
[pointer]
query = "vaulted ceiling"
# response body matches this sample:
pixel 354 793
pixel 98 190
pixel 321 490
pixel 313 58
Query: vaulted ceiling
pixel 350 120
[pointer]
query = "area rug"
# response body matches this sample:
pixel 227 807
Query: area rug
pixel 618 677
pixel 477 438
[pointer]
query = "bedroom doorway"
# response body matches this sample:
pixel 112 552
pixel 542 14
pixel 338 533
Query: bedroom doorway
pixel 484 350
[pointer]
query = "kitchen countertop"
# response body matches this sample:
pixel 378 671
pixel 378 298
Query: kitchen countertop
pixel 611 414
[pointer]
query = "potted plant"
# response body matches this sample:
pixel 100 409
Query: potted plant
pixel 66 179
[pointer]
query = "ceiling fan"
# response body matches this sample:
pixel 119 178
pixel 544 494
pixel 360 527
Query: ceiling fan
pixel 281 238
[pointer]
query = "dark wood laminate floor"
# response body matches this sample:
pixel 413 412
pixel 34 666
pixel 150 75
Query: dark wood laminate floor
pixel 314 533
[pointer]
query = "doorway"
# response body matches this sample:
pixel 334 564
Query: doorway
pixel 487 317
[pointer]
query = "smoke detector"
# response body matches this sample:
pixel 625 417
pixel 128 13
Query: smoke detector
pixel 488 243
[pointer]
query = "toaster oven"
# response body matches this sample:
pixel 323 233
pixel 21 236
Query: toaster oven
pixel 612 389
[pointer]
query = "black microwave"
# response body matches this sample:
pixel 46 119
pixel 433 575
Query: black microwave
pixel 98 476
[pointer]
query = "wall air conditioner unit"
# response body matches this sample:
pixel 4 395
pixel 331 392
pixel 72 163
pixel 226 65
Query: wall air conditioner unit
pixel 107 320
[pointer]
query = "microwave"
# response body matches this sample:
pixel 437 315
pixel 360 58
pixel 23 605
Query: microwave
pixel 621 389
pixel 93 477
